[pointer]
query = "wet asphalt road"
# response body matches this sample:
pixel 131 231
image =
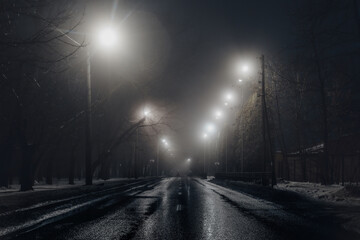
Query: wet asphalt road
pixel 187 208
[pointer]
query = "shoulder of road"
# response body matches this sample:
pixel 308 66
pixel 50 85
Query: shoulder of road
pixel 26 211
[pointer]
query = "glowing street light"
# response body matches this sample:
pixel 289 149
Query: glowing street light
pixel 228 96
pixel 210 127
pixel 188 160
pixel 146 112
pixel 107 38
pixel 218 114
pixel 240 80
pixel 245 68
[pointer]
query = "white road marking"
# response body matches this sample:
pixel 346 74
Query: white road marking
pixel 178 207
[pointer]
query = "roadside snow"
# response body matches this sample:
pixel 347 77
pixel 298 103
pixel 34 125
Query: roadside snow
pixel 57 184
pixel 336 200
pixel 333 193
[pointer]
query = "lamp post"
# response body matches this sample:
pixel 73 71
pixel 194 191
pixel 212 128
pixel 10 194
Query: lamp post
pixel 210 128
pixel 205 136
pixel 228 99
pixel 88 125
pixel 106 39
pixel 163 141
pixel 157 159
pixel 145 115
pixel 245 69
pixel 218 114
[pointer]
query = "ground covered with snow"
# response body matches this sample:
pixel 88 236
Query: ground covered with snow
pixel 348 194
pixel 57 184
pixel 332 201
pixel 11 198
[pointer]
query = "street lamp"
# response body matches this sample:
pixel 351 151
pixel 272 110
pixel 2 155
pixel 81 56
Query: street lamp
pixel 146 112
pixel 204 136
pixel 243 123
pixel 228 96
pixel 210 128
pixel 245 68
pixel 218 114
pixel 107 39
pixel 163 141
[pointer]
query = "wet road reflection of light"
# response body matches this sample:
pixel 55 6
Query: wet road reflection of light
pixel 202 210
pixel 209 217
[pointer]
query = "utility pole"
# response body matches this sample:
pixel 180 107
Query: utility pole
pixel 88 145
pixel 204 154
pixel 265 126
pixel 243 128
pixel 208 157
pixel 263 116
pixel 226 149
pixel 157 159
pixel 136 153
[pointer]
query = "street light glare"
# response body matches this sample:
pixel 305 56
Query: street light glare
pixel 228 96
pixel 205 135
pixel 107 37
pixel 189 159
pixel 218 114
pixel 146 112
pixel 240 80
pixel 210 127
pixel 245 68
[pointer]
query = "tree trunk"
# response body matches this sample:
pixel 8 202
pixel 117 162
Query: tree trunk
pixel 342 170
pixel 72 166
pixel 104 168
pixel 6 157
pixel 49 172
pixel 78 170
pixel 5 161
pixel 26 174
